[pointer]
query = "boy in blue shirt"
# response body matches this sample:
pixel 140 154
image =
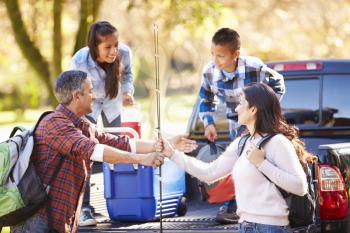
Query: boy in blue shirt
pixel 223 79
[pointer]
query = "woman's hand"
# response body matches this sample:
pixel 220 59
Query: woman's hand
pixel 254 155
pixel 128 99
pixel 176 143
pixel 183 144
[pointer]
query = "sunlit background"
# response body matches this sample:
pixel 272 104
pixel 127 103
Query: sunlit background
pixel 39 37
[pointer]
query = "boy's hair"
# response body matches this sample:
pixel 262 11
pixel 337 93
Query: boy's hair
pixel 227 36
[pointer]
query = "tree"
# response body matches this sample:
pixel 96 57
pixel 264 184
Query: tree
pixel 46 69
pixel 187 15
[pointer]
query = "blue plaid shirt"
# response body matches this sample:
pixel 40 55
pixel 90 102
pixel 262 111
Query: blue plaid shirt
pixel 217 87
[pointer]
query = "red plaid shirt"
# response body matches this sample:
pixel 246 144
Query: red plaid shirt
pixel 62 133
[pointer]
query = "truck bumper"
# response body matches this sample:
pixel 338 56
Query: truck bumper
pixel 334 226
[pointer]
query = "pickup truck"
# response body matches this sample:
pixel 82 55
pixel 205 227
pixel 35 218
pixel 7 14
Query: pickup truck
pixel 316 101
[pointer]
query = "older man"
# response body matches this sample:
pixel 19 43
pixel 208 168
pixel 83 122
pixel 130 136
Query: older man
pixel 66 134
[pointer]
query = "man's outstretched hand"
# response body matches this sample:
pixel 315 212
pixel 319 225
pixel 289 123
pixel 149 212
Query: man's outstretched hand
pixel 168 150
pixel 153 159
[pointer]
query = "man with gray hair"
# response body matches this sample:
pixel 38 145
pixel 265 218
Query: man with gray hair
pixel 66 134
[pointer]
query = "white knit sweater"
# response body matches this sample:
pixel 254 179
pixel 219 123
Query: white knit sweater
pixel 258 199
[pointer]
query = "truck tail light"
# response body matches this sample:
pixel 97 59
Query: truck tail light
pixel 333 195
pixel 297 66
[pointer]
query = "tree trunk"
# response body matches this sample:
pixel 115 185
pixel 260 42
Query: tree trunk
pixel 28 48
pixel 88 14
pixel 57 38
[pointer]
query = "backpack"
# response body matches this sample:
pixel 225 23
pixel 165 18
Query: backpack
pixel 219 191
pixel 22 192
pixel 301 208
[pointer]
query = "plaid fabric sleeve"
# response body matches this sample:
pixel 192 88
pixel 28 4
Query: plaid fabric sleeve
pixel 207 105
pixel 274 79
pixel 120 142
pixel 64 137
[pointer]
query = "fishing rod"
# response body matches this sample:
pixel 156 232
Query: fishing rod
pixel 156 63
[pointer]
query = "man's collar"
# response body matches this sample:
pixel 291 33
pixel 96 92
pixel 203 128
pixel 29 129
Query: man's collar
pixel 71 115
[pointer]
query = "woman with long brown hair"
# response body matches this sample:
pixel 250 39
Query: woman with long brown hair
pixel 108 63
pixel 261 207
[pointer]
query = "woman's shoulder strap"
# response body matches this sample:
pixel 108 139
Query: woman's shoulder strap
pixel 264 140
pixel 241 143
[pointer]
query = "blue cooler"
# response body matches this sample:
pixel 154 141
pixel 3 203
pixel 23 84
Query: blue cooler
pixel 132 191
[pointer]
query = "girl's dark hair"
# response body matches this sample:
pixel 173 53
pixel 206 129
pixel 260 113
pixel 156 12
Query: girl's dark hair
pixel 98 31
pixel 269 118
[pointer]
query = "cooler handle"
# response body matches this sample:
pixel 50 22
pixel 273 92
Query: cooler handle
pixel 120 130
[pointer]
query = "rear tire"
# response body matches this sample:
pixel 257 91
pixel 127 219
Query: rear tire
pixel 182 207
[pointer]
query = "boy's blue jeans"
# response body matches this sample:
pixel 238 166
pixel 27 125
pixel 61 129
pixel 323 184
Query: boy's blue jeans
pixel 249 227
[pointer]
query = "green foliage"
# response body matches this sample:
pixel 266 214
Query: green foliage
pixel 191 13
pixel 32 24
pixel 5 230
pixel 142 77
pixel 20 92
pixel 274 30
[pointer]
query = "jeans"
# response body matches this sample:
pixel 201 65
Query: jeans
pixel 33 224
pixel 249 227
pixel 114 123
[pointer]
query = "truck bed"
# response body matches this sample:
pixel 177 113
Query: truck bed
pixel 199 217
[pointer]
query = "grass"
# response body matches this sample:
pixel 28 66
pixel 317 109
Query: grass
pixel 175 111
pixel 5 230
pixel 8 118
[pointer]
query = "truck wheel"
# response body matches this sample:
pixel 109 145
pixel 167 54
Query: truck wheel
pixel 182 207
